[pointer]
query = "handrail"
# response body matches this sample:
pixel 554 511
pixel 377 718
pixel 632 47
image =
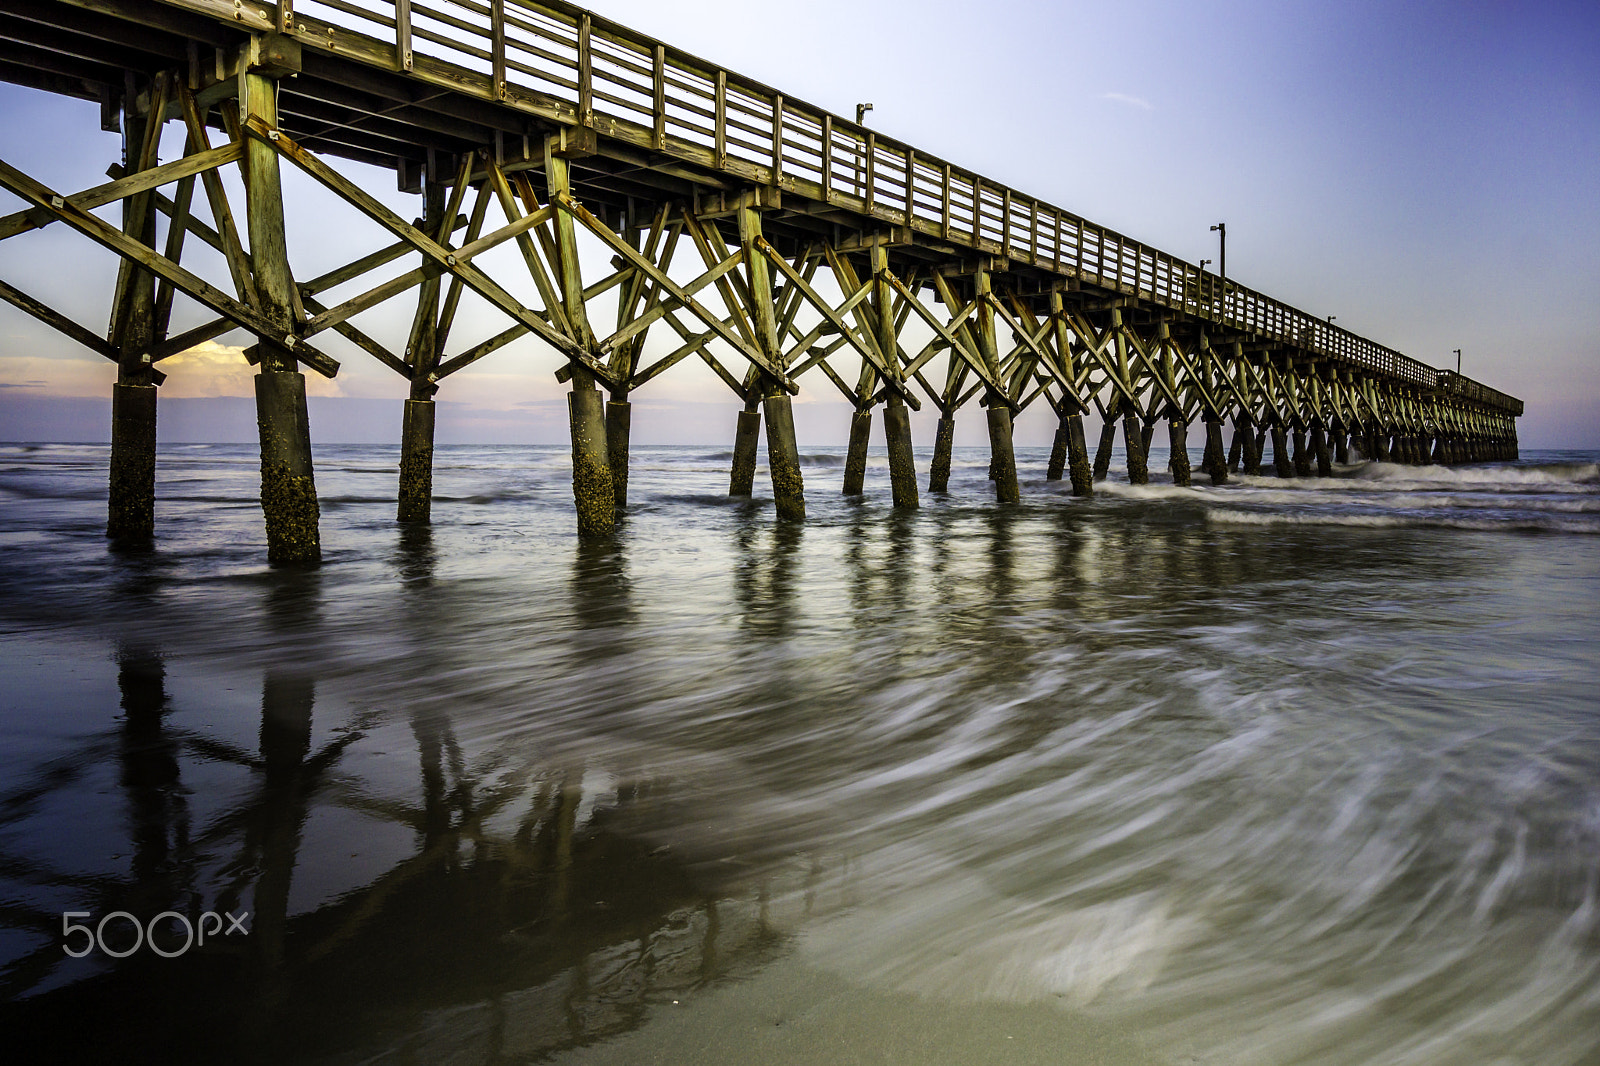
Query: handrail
pixel 568 65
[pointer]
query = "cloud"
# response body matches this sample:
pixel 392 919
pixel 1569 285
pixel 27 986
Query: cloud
pixel 1132 101
pixel 212 369
pixel 21 385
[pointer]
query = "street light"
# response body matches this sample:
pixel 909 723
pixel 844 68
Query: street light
pixel 1203 264
pixel 1458 362
pixel 861 113
pixel 1331 318
pixel 1221 229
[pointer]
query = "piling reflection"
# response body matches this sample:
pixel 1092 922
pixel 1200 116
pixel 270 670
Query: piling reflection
pixel 158 813
pixel 534 912
pixel 415 556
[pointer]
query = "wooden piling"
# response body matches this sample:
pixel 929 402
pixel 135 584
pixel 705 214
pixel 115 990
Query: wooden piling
pixel 1178 441
pixel 855 459
pixel 742 479
pixel 1236 450
pixel 130 503
pixel 902 467
pixel 1280 451
pixel 1341 444
pixel 592 491
pixel 1108 441
pixel 783 457
pixel 1003 457
pixel 1078 458
pixel 1058 452
pixel 415 502
pixel 288 485
pixel 416 463
pixel 1251 460
pixel 943 445
pixel 130 510
pixel 1319 448
pixel 1302 458
pixel 1133 440
pixel 619 423
pixel 1216 456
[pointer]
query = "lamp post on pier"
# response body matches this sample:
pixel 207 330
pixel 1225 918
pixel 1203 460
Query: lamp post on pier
pixel 1221 229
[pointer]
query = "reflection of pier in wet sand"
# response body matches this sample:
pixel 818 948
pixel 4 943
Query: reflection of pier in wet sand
pixel 539 907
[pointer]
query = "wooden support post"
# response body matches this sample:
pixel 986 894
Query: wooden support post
pixel 1280 450
pixel 742 478
pixel 1058 452
pixel 783 457
pixel 416 463
pixel 1302 458
pixel 943 446
pixel 1341 443
pixel 1178 441
pixel 1002 456
pixel 130 510
pixel 1108 441
pixel 1133 444
pixel 1003 459
pixel 130 502
pixel 902 465
pixel 1216 456
pixel 592 490
pixel 415 503
pixel 1236 450
pixel 288 485
pixel 1251 460
pixel 619 424
pixel 855 460
pixel 1319 448
pixel 1147 433
pixel 1380 447
pixel 783 453
pixel 896 416
pixel 1078 456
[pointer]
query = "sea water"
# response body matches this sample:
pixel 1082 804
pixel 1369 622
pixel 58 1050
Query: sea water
pixel 1282 771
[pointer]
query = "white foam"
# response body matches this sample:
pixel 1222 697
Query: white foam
pixel 1227 516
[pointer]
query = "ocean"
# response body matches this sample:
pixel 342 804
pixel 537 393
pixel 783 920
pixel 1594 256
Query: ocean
pixel 1283 771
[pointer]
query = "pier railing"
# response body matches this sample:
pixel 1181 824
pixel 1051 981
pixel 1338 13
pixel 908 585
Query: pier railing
pixel 566 65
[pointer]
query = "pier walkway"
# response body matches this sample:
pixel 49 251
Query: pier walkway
pixel 820 250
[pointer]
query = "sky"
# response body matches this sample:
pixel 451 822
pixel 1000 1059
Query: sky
pixel 1427 172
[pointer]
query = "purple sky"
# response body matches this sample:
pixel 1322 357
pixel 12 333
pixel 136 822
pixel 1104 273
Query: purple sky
pixel 1427 172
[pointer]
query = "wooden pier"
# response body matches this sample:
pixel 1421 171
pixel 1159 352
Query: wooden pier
pixel 814 240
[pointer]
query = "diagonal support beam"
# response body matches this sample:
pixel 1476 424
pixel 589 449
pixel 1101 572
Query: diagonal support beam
pixel 470 276
pixel 143 181
pixel 631 255
pixel 107 236
pixel 868 351
pixel 59 322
